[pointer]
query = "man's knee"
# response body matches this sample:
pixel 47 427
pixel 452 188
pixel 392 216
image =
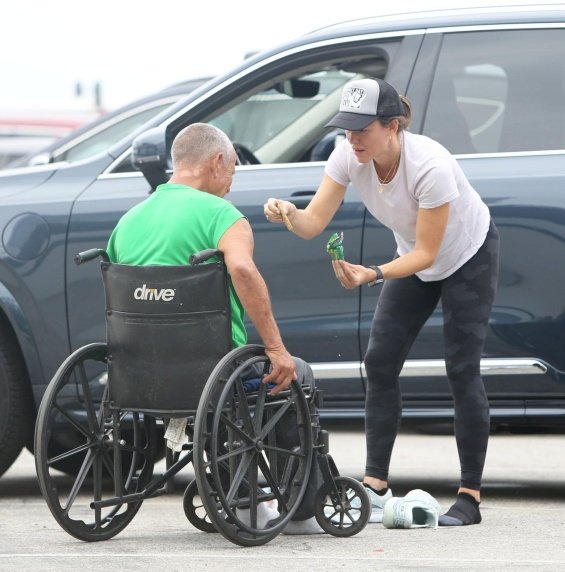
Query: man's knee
pixel 304 373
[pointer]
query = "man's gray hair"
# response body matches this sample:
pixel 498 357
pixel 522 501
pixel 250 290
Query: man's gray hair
pixel 198 142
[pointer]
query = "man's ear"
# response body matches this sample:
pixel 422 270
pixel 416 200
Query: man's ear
pixel 217 162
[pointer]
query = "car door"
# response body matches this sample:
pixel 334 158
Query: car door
pixel 495 97
pixel 275 114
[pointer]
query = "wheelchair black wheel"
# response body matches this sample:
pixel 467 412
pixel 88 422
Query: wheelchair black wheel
pixel 75 428
pixel 194 509
pixel 343 510
pixel 252 451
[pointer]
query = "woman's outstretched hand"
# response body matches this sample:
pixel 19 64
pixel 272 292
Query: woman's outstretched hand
pixel 277 210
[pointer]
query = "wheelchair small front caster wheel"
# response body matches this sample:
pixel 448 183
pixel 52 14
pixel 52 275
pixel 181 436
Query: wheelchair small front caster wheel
pixel 194 509
pixel 343 510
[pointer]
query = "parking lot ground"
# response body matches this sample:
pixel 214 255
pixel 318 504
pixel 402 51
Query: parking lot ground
pixel 523 519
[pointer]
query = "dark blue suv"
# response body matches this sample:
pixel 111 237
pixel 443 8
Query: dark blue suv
pixel 488 85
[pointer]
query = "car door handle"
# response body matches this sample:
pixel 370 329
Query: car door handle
pixel 301 198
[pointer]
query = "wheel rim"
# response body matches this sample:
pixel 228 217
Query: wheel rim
pixel 75 430
pixel 194 509
pixel 243 448
pixel 345 510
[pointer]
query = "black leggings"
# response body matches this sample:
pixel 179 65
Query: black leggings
pixel 403 307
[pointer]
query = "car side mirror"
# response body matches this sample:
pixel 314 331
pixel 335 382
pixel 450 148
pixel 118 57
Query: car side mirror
pixel 43 158
pixel 149 155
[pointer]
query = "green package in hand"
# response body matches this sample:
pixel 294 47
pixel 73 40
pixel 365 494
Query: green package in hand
pixel 335 246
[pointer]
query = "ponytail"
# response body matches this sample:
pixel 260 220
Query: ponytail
pixel 403 120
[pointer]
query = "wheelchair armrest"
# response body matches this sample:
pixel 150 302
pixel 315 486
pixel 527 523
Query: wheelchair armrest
pixel 319 398
pixel 203 255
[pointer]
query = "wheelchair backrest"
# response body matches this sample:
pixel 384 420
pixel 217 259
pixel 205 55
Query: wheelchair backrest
pixel 166 327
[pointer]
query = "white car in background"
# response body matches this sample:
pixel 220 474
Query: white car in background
pixel 22 133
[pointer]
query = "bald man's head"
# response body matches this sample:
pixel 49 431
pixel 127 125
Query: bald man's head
pixel 198 143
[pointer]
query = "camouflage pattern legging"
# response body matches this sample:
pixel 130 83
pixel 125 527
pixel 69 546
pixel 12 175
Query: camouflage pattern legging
pixel 403 307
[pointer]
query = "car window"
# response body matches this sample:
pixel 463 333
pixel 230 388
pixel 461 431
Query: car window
pixel 109 135
pixel 282 117
pixel 279 123
pixel 499 91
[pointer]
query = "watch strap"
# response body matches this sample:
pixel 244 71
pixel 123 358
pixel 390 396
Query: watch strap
pixel 379 278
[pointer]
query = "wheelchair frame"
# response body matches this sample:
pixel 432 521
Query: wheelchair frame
pixel 240 449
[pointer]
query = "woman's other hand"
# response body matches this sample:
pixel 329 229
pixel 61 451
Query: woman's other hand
pixel 352 275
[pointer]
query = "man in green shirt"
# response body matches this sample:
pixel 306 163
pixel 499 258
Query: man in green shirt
pixel 189 214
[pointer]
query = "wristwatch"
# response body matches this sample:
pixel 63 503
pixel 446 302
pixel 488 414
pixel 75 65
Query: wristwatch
pixel 379 278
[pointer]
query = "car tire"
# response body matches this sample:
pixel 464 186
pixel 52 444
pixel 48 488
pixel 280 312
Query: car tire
pixel 16 414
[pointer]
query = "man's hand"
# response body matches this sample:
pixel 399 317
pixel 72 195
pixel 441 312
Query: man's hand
pixel 352 275
pixel 283 370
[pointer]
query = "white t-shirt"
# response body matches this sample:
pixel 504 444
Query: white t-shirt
pixel 428 176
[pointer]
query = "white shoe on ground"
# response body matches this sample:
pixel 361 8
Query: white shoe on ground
pixel 377 503
pixel 308 526
pixel 418 509
pixel 266 512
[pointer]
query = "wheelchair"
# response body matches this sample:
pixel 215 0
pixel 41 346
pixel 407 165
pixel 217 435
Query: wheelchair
pixel 168 356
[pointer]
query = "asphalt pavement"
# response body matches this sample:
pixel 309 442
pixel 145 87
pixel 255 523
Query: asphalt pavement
pixel 523 524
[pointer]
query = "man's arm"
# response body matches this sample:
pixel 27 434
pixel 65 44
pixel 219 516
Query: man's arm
pixel 237 246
